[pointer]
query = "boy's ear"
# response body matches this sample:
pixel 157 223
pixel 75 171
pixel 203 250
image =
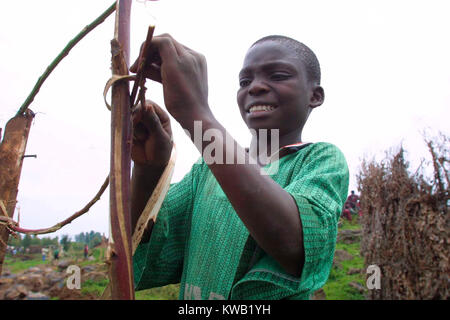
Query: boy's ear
pixel 317 97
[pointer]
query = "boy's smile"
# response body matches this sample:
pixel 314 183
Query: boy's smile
pixel 274 90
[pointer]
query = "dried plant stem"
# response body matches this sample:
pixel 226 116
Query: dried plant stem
pixel 12 150
pixel 140 79
pixel 14 226
pixel 155 201
pixel 151 209
pixel 119 246
pixel 61 56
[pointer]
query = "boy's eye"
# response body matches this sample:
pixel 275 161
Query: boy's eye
pixel 244 82
pixel 279 76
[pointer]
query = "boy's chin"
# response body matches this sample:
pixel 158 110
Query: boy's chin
pixel 257 128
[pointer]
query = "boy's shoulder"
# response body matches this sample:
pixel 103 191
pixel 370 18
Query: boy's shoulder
pixel 321 148
pixel 323 155
pixel 324 145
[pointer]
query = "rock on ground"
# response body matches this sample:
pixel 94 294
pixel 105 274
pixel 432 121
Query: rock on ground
pixel 46 281
pixel 37 296
pixel 319 295
pixel 354 271
pixel 357 286
pixel 15 292
pixel 349 236
pixel 342 255
pixel 64 264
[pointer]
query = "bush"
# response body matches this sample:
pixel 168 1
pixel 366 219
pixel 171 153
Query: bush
pixel 405 225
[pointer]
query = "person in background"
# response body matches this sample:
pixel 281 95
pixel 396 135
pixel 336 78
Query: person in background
pixel 346 212
pixel 86 251
pixel 353 199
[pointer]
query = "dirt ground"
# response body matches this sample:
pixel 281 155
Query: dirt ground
pixel 48 281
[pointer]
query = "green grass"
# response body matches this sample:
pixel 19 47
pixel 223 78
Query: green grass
pixel 97 253
pixel 337 287
pixel 15 265
pixel 347 225
pixel 94 287
pixel 169 292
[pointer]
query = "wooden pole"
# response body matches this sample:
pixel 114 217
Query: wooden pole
pixel 119 253
pixel 12 151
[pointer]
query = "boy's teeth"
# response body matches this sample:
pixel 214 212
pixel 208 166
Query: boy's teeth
pixel 261 108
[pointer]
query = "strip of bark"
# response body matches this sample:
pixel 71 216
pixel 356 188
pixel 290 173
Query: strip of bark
pixel 151 210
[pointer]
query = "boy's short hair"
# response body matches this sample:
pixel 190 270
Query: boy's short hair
pixel 304 53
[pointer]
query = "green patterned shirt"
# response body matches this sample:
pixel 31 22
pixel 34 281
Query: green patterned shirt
pixel 199 241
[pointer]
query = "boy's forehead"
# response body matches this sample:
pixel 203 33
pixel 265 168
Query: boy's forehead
pixel 270 51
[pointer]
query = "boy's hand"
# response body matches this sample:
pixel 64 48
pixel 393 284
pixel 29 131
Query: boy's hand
pixel 152 136
pixel 183 74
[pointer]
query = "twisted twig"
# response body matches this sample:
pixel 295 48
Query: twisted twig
pixel 13 226
pixel 62 54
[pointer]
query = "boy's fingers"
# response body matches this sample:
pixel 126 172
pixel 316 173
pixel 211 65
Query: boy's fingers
pixel 163 119
pixel 165 45
pixel 146 118
pixel 163 48
pixel 140 132
pixel 162 115
pixel 153 72
pixel 134 67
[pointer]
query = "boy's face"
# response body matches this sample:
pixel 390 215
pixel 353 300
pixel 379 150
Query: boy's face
pixel 274 91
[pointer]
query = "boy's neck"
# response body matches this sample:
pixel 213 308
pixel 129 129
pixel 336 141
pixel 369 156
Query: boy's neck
pixel 291 138
pixel 266 149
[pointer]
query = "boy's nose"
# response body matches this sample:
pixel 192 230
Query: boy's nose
pixel 257 88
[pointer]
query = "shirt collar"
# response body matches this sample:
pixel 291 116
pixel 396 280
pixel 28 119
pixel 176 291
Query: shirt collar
pixel 287 149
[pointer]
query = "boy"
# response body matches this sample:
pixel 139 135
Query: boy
pixel 226 231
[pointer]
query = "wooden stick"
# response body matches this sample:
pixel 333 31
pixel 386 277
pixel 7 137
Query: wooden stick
pixel 119 247
pixel 141 64
pixel 12 150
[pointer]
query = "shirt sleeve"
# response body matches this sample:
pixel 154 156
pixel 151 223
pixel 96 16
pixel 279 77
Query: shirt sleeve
pixel 160 261
pixel 319 187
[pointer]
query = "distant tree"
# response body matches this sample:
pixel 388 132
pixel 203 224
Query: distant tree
pixel 96 240
pixel 45 242
pixel 91 238
pixel 35 241
pixel 15 242
pixel 65 242
pixel 26 242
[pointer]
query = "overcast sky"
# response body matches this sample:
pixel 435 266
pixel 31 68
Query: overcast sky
pixel 385 71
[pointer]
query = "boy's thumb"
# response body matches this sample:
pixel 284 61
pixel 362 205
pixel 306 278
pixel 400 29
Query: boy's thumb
pixel 133 68
pixel 152 119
